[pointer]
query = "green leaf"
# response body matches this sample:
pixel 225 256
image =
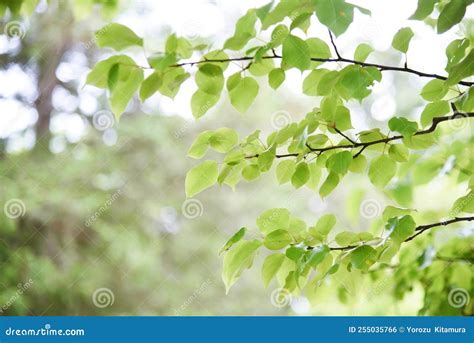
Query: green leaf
pixel 126 82
pixel 363 257
pixel 200 177
pixel 270 267
pixel 311 82
pixel 199 147
pixel 277 239
pixel 244 31
pixel 434 109
pixel 295 253
pixel 279 33
pixel 314 176
pixel 382 169
pixel 117 36
pixel 402 39
pixel 261 67
pixel 388 252
pixel 296 53
pixel 391 211
pixel 237 260
pixel 325 224
pixel 358 164
pixel 337 15
pixel 339 162
pixel 402 125
pixel 301 175
pixel 251 172
pixel 265 159
pixel 317 255
pixel 327 82
pixel 362 52
pixel 151 85
pixel 281 10
pixel 464 204
pixel 218 55
pixel 398 152
pixel 346 238
pixel 285 171
pixel 172 80
pixel 355 81
pixel 98 76
pixel 303 22
pixel 201 102
pixel 273 219
pixel 276 78
pixel 223 139
pixel 329 184
pixel 451 14
pixel 401 228
pixel 234 239
pixel 243 93
pixel 419 142
pixel 210 79
pixel 462 70
pixel 162 61
pixel 424 9
pixel 434 90
pixel 318 48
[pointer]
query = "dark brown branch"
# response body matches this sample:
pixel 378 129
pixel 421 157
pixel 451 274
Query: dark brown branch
pixel 422 228
pixel 419 230
pixel 345 136
pixel 434 124
pixel 449 260
pixel 334 45
pixel 338 59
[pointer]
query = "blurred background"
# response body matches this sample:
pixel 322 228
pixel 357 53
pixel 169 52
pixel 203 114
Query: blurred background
pixel 95 218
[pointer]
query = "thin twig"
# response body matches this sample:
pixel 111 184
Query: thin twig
pixel 434 124
pixel 419 230
pixel 381 67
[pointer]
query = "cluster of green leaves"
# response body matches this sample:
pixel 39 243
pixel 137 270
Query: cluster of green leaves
pixel 320 146
pixel 300 257
pixel 440 270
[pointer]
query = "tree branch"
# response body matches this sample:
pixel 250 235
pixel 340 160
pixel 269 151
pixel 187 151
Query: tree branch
pixel 422 228
pixel 334 45
pixel 419 230
pixel 434 124
pixel 381 67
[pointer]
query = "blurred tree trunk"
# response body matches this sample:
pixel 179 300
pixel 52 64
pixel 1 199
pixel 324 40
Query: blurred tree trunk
pixel 55 39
